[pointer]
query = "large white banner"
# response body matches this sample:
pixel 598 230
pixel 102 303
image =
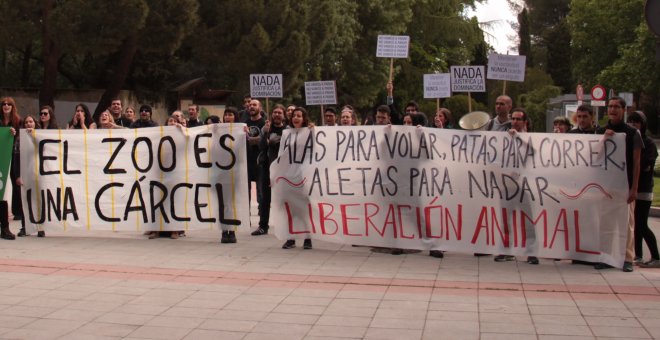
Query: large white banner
pixel 546 195
pixel 163 178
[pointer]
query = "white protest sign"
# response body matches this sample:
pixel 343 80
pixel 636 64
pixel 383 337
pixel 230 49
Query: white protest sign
pixel 162 178
pixel 266 86
pixel 392 46
pixel 468 79
pixel 628 97
pixel 437 85
pixel 320 93
pixel 461 191
pixel 506 67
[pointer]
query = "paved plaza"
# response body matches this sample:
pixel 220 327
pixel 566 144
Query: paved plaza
pixel 81 285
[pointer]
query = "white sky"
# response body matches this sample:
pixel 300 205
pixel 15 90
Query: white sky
pixel 498 11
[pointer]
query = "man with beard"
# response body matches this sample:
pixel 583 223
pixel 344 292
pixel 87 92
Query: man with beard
pixel 254 124
pixel 616 107
pixel 269 145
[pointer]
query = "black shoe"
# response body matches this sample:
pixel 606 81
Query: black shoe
pixel 225 237
pixel 601 265
pixel 232 236
pixel 480 254
pixel 437 254
pixel 627 267
pixel 7 235
pixel 259 232
pixel 288 244
pixel 502 258
pixel 307 244
pixel 41 233
pixel 532 260
pixel 397 251
pixel 21 233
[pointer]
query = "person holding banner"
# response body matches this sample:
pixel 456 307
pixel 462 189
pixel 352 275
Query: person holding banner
pixel 254 123
pixel 520 124
pixel 47 119
pixel 649 154
pixel 299 119
pixel 107 122
pixel 11 119
pixel 634 144
pixel 82 119
pixel 230 115
pixel 29 124
pixel 269 146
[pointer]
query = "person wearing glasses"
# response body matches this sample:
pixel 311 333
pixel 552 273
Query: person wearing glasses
pixel 616 107
pixel 11 119
pixel 145 118
pixel 520 124
pixel 82 119
pixel 47 120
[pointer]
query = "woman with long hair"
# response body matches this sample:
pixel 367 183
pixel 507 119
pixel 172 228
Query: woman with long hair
pixel 11 119
pixel 299 120
pixel 47 119
pixel 107 122
pixel 443 119
pixel 82 119
pixel 29 123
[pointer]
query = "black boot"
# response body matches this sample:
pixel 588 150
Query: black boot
pixel 5 233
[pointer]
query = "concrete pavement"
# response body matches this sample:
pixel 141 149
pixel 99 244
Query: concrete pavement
pixel 79 285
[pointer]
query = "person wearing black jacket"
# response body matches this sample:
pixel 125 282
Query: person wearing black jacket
pixel 634 144
pixel 269 146
pixel 649 154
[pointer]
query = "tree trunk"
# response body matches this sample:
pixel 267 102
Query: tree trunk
pixel 25 70
pixel 119 72
pixel 51 57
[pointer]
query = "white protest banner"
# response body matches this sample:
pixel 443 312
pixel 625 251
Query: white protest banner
pixel 162 178
pixel 468 79
pixel 533 194
pixel 392 46
pixel 506 67
pixel 266 86
pixel 320 93
pixel 437 85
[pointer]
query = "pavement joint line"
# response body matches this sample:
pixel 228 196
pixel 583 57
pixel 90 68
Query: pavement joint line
pixel 206 276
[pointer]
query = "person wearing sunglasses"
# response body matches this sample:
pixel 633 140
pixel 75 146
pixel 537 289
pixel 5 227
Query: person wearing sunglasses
pixel 47 120
pixel 11 119
pixel 145 118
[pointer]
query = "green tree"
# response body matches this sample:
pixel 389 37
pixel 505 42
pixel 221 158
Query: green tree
pixel 598 30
